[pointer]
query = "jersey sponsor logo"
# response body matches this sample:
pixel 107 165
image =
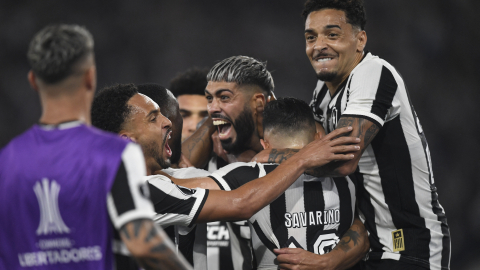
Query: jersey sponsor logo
pixel 50 219
pixel 325 242
pixel 217 234
pixel 312 218
pixel 398 242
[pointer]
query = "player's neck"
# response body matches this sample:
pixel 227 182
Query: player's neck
pixel 64 108
pixel 334 85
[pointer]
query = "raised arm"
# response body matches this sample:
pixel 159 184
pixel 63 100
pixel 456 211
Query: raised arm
pixel 197 148
pixel 248 199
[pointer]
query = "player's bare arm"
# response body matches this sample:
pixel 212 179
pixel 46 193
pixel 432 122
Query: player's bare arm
pixel 150 246
pixel 197 148
pixel 352 248
pixel 243 202
pixel 363 129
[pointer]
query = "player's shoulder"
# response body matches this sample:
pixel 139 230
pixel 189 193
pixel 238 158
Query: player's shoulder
pixel 236 166
pixel 372 64
pixel 189 172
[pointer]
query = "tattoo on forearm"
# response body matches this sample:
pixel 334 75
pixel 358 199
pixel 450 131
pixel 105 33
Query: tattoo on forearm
pixel 195 140
pixel 349 236
pixel 361 132
pixel 370 134
pixel 278 156
pixel 143 234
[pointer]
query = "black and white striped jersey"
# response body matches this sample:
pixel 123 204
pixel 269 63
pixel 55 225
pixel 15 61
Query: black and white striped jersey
pixel 396 196
pixel 312 214
pixel 229 244
pixel 175 205
pixel 191 241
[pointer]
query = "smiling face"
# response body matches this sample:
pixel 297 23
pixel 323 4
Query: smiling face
pixel 150 129
pixel 229 106
pixel 333 46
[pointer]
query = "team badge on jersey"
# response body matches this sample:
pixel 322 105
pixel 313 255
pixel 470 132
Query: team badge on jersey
pixel 50 219
pixel 325 242
pixel 398 243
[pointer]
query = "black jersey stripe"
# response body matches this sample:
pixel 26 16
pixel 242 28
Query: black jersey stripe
pixel 278 208
pixel 445 262
pixel 345 204
pixel 395 169
pixel 164 203
pixel 313 201
pixel 241 175
pixel 194 219
pixel 120 191
pixel 387 87
pixel 271 246
pixel 365 205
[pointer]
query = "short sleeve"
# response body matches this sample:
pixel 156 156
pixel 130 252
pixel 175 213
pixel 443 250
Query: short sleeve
pixel 175 205
pixel 370 92
pixel 235 175
pixel 128 198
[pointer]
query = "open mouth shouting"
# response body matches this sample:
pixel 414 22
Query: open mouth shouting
pixel 224 127
pixel 166 147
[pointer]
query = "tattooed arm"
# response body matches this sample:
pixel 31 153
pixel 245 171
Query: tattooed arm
pixel 362 128
pixel 352 248
pixel 197 148
pixel 151 246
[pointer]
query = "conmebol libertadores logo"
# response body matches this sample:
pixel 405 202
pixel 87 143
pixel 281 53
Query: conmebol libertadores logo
pixel 50 219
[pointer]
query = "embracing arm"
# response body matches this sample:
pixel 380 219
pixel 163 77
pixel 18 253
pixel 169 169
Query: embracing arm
pixel 352 248
pixel 248 199
pixel 363 129
pixel 197 148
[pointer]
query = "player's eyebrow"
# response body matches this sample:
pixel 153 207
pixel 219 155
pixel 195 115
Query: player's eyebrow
pixel 152 112
pixel 219 91
pixel 330 26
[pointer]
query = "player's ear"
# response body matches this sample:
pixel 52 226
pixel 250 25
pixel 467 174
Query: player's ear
pixel 265 143
pixel 32 80
pixel 90 78
pixel 127 135
pixel 362 40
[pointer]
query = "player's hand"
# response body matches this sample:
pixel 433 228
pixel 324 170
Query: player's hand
pixel 297 258
pixel 217 147
pixel 330 148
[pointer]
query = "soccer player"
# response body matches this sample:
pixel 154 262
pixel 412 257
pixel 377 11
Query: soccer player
pixel 397 197
pixel 121 109
pixel 191 241
pixel 188 88
pixel 313 213
pixel 68 188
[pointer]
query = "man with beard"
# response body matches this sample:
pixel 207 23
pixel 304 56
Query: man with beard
pixel 398 199
pixel 71 193
pixel 121 109
pixel 237 90
pixel 191 241
pixel 312 215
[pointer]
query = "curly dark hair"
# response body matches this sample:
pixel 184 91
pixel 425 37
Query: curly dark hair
pixel 56 50
pixel 288 115
pixel 354 10
pixel 110 109
pixel 192 82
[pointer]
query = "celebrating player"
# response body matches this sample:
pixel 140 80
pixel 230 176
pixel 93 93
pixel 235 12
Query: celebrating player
pixel 68 188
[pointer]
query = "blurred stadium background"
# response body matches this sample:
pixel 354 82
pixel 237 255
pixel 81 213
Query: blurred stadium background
pixel 433 43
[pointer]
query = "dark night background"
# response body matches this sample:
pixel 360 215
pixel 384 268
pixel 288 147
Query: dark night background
pixel 434 44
